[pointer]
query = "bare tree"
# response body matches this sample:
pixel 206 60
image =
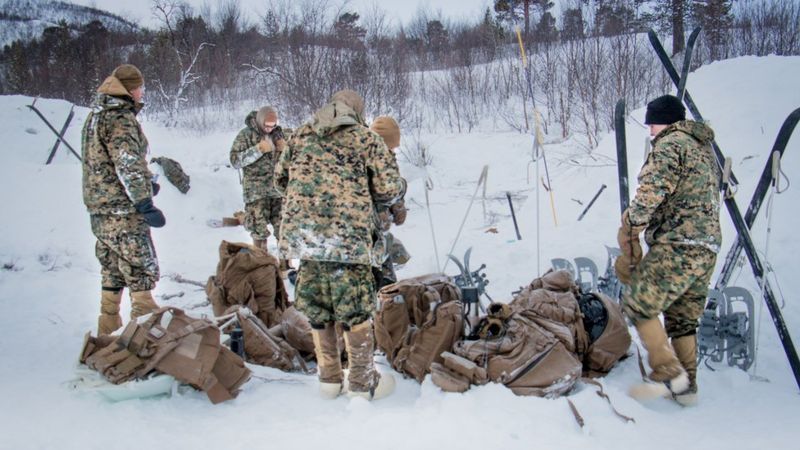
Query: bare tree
pixel 173 95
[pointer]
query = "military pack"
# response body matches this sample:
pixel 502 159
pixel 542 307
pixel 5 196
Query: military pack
pixel 541 343
pixel 284 346
pixel 169 341
pixel 418 319
pixel 248 276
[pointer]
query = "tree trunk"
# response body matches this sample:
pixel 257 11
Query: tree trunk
pixel 527 9
pixel 678 40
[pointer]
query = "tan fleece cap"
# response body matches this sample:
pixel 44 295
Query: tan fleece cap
pixel 388 129
pixel 351 99
pixel 129 75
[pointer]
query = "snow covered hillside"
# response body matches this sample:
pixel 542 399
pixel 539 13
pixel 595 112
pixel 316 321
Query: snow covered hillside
pixel 26 19
pixel 49 291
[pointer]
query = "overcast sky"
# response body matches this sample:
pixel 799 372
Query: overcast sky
pixel 398 10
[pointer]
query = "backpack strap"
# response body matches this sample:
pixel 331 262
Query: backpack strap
pixel 601 393
pixel 575 413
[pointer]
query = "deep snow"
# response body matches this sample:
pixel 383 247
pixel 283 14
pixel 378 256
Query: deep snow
pixel 49 291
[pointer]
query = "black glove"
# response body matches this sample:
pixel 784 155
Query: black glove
pixel 156 187
pixel 152 215
pixel 277 133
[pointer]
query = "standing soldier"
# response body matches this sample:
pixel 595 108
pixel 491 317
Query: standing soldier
pixel 255 151
pixel 118 192
pixel 677 205
pixel 333 173
pixel 395 253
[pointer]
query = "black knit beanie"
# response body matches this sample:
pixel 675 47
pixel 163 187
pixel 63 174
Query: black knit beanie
pixel 665 110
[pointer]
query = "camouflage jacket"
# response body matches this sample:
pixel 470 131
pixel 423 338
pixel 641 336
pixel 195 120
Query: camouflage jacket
pixel 678 194
pixel 257 168
pixel 333 173
pixel 115 173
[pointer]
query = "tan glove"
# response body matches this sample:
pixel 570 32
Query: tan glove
pixel 630 247
pixel 280 144
pixel 265 145
pixel 399 212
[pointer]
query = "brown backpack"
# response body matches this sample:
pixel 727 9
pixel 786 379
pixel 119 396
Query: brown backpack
pixel 418 319
pixel 551 302
pixel 268 346
pixel 598 333
pixel 248 276
pixel 541 342
pixel 521 354
pixel 613 342
pixel 170 342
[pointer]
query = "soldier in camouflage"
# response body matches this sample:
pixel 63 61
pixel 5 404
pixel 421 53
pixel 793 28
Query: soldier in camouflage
pixel 395 252
pixel 256 151
pixel 677 205
pixel 118 193
pixel 332 173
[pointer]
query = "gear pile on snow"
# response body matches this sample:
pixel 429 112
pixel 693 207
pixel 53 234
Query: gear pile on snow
pixel 169 341
pixel 248 276
pixel 541 343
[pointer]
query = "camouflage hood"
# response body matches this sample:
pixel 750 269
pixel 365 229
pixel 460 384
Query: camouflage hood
pixel 697 130
pixel 251 123
pixel 333 116
pixel 112 94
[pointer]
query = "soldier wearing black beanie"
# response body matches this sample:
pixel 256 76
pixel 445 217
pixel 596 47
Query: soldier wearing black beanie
pixel 665 110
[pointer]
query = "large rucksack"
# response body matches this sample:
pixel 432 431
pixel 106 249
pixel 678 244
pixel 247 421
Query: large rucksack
pixel 417 320
pixel 171 342
pixel 541 342
pixel 248 276
pixel 598 333
pixel 517 351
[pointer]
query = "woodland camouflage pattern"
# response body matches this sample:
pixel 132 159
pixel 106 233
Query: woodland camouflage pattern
pixel 333 173
pixel 257 168
pixel 260 213
pixel 678 202
pixel 115 178
pixel 125 251
pixel 174 173
pixel 678 194
pixel 672 280
pixel 115 173
pixel 335 292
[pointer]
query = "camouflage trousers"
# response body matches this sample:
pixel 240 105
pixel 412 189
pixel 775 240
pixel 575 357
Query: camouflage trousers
pixel 335 292
pixel 259 214
pixel 125 251
pixel 673 280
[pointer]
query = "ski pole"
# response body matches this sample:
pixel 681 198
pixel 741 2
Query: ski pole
pixel 513 216
pixel 538 125
pixel 776 169
pixel 428 188
pixel 591 202
pixel 481 180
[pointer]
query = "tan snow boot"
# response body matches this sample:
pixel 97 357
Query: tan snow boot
pixel 364 380
pixel 329 361
pixel 686 351
pixel 109 319
pixel 668 376
pixel 142 303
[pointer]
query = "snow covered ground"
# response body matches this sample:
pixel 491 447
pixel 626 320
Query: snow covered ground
pixel 49 291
